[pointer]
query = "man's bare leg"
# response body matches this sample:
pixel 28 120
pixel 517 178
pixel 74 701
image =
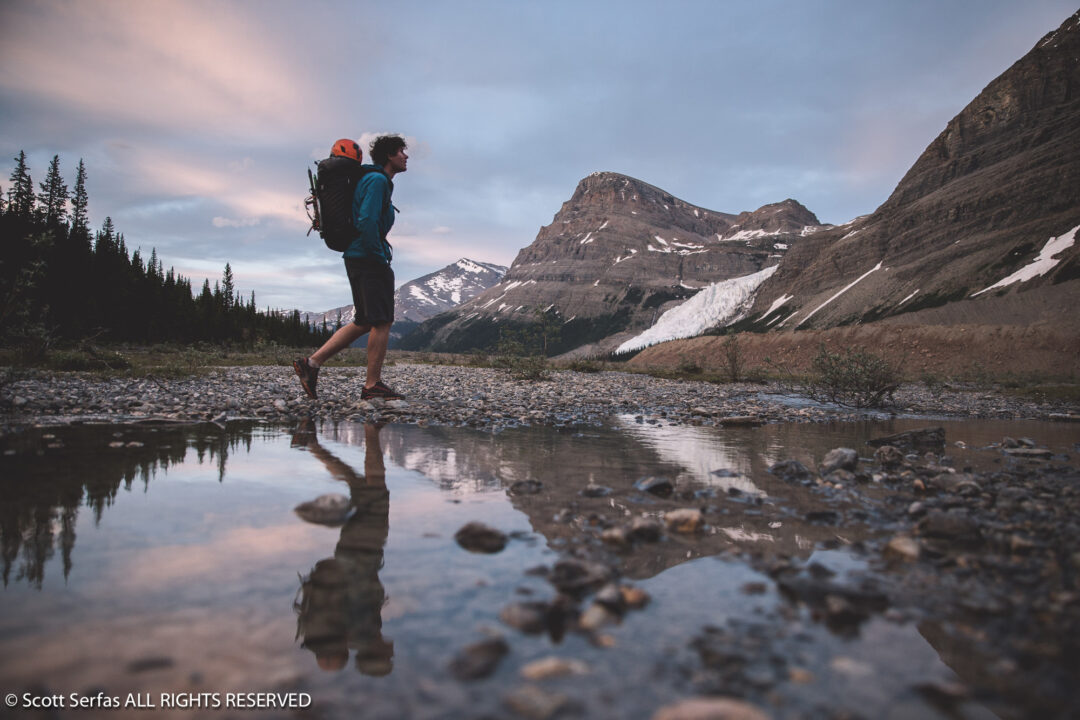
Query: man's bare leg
pixel 345 336
pixel 377 343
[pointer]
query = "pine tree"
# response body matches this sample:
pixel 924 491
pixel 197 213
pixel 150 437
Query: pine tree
pixel 227 287
pixel 21 195
pixel 80 221
pixel 54 196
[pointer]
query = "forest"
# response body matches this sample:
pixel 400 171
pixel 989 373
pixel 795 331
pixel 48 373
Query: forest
pixel 61 283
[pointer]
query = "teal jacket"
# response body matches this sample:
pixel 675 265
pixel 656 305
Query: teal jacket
pixel 373 216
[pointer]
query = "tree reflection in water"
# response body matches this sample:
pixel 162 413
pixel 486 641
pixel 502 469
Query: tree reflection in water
pixel 339 604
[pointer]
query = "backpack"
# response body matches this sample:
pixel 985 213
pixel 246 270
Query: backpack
pixel 329 206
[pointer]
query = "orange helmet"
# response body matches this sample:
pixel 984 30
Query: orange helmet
pixel 347 148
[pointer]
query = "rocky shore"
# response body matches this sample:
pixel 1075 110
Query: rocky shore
pixel 983 563
pixel 452 395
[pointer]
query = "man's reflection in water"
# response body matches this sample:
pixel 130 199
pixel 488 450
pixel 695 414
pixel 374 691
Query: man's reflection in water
pixel 340 603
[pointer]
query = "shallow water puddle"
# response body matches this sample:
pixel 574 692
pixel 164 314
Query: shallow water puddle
pixel 168 564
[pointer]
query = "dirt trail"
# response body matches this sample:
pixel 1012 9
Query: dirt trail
pixel 954 351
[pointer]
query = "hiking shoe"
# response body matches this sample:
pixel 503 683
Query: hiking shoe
pixel 308 376
pixel 381 392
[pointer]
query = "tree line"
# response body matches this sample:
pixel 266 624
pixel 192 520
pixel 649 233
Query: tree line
pixel 61 282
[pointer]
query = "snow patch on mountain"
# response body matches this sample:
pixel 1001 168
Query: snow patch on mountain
pixel 1044 263
pixel 719 303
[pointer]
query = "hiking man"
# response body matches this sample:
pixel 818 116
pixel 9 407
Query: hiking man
pixel 367 262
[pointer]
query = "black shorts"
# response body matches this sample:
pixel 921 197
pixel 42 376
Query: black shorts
pixel 372 291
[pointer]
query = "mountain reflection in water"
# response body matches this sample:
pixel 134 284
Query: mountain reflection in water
pixel 166 559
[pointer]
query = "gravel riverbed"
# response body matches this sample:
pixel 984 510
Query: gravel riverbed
pixel 454 395
pixel 983 562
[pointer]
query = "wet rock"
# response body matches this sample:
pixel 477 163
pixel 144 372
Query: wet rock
pixel 535 703
pixel 683 520
pixel 596 491
pixel 552 666
pixel 597 616
pixel 634 598
pixel 479 660
pixel 661 487
pixel 528 617
pixel 330 509
pixel 480 538
pixel 577 577
pixel 615 536
pixel 953 526
pixel 610 596
pixel 958 483
pixel 903 548
pixel 914 440
pixel 791 471
pixel 526 487
pixel 839 459
pixel 841 477
pixel 841 614
pixel 711 708
pixel 644 529
pixel 1029 453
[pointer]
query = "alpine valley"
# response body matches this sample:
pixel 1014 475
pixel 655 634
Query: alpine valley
pixel 979 236
pixel 422 298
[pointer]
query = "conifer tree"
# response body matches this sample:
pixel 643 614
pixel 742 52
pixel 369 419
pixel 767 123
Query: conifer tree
pixel 80 221
pixel 227 287
pixel 54 196
pixel 21 195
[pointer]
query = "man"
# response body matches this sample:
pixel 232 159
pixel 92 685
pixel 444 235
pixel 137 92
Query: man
pixel 367 262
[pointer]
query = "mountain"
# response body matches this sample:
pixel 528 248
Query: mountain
pixel 617 254
pixel 981 229
pixel 422 298
pixel 426 297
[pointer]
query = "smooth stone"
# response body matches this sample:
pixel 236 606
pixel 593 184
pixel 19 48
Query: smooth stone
pixel 535 703
pixel 839 459
pixel 528 617
pixel 480 538
pixel 645 529
pixel 661 487
pixel 683 520
pixel 903 547
pixel 330 509
pixel 479 660
pixel 596 491
pixel 552 666
pixel 711 708
pixel 597 616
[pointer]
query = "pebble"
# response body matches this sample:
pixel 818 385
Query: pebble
pixel 711 708
pixel 480 538
pixel 440 395
pixel 683 520
pixel 330 509
pixel 479 660
pixel 552 666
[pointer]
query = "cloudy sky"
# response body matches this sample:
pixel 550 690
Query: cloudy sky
pixel 197 120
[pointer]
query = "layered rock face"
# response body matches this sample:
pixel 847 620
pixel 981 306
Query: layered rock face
pixel 618 253
pixel 979 204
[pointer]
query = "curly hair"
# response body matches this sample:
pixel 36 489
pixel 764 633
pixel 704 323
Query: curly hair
pixel 384 146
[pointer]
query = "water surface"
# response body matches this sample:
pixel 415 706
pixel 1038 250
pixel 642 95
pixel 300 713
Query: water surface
pixel 170 560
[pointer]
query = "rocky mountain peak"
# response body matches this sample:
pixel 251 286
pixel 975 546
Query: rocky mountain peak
pixel 617 254
pixel 985 199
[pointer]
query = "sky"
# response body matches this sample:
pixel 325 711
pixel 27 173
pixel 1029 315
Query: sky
pixel 197 120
